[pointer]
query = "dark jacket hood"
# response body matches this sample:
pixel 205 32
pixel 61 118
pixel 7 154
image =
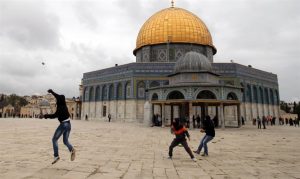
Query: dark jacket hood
pixel 60 100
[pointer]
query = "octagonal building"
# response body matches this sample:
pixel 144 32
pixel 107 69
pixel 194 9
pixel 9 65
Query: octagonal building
pixel 175 76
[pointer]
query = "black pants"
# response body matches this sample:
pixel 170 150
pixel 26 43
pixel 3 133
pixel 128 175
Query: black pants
pixel 264 124
pixel 183 142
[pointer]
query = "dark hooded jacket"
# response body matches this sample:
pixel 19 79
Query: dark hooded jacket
pixel 62 112
pixel 209 126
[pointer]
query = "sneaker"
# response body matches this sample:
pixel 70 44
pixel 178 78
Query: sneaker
pixel 56 159
pixel 73 154
pixel 194 159
pixel 204 155
pixel 196 152
pixel 170 157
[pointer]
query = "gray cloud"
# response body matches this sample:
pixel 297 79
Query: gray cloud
pixel 75 37
pixel 28 24
pixel 86 13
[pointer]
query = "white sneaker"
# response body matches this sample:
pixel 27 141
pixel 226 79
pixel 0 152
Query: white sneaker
pixel 56 159
pixel 194 159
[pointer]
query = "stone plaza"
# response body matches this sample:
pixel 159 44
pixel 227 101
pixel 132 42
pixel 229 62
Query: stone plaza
pixel 130 150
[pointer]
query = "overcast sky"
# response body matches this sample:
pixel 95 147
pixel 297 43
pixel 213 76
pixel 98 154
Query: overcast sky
pixel 73 37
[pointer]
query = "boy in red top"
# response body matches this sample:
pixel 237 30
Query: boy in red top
pixel 180 132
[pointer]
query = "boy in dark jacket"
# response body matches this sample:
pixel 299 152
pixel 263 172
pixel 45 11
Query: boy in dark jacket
pixel 64 128
pixel 209 129
pixel 180 132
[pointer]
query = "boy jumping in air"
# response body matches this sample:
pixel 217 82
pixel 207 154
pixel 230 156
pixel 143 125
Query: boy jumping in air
pixel 64 127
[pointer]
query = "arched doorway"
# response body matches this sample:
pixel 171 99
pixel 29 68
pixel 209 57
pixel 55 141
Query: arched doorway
pixel 178 109
pixel 175 95
pixel 232 96
pixel 206 94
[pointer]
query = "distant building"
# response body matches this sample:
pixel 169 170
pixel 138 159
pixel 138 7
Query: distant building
pixel 47 105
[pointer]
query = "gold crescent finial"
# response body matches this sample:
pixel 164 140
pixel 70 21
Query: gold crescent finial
pixel 172 3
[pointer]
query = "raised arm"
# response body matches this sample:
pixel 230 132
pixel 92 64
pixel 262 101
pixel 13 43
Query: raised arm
pixel 53 93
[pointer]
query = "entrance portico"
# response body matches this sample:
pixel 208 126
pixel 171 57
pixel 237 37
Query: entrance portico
pixel 171 109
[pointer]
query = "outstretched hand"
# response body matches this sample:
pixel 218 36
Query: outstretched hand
pixel 50 90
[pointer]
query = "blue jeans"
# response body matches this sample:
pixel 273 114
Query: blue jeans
pixel 203 143
pixel 65 129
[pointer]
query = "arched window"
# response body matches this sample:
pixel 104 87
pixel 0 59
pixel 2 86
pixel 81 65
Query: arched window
pixel 267 96
pixel 128 89
pixel 272 96
pixel 91 95
pixel 86 94
pixel 97 93
pixel 154 84
pixel 206 94
pixel 104 92
pixel 249 94
pixel 255 96
pixel 175 95
pixel 261 95
pixel 141 89
pixel 154 97
pixel 232 96
pixel 120 91
pixel 111 92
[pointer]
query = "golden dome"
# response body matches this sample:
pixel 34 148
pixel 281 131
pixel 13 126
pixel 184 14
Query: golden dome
pixel 176 25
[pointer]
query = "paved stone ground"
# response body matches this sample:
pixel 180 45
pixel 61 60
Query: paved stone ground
pixel 128 151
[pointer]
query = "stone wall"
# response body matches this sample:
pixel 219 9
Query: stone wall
pixel 120 110
pixel 252 110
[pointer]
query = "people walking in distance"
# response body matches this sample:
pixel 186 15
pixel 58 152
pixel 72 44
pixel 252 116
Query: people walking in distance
pixel 209 129
pixel 198 121
pixel 109 117
pixel 291 121
pixel 64 128
pixel 264 120
pixel 187 121
pixel 258 122
pixel 194 122
pixel 216 121
pixel 243 121
pixel 296 121
pixel 180 133
pixel 254 121
pixel 274 120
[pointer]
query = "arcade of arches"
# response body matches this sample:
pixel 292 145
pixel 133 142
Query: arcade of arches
pixel 206 103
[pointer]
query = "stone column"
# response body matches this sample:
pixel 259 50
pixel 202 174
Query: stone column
pixel 163 120
pixel 191 110
pixel 172 114
pixel 239 115
pixel 222 119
